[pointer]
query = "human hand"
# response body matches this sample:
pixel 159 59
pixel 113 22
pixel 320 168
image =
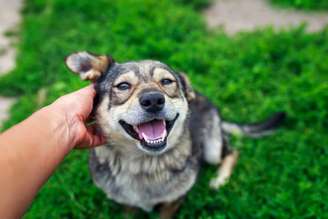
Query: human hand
pixel 32 149
pixel 71 112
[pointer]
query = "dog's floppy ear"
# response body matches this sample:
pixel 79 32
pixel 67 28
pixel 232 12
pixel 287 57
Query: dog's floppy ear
pixel 88 66
pixel 186 86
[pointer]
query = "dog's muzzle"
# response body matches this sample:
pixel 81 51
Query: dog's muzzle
pixel 152 134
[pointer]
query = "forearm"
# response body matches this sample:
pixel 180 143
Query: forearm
pixel 30 152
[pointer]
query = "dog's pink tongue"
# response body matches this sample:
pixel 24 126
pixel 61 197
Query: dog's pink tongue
pixel 152 130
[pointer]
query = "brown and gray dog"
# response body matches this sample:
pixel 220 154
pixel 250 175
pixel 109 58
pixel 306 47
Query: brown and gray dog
pixel 159 131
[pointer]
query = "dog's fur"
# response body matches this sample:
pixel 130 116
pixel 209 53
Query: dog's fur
pixel 130 173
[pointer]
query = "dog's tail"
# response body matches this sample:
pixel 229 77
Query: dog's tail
pixel 255 129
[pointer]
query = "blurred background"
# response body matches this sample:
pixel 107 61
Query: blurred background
pixel 250 57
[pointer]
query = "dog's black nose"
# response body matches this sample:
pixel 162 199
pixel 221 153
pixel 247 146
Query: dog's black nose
pixel 152 101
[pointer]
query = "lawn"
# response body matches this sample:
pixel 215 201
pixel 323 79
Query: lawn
pixel 248 76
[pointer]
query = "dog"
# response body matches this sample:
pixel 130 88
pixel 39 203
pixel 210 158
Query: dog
pixel 159 131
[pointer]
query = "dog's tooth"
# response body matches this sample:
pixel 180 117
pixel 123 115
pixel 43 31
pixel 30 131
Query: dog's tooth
pixel 164 134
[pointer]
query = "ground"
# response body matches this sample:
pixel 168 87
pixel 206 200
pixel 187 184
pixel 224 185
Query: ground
pixel 9 18
pixel 247 15
pixel 247 75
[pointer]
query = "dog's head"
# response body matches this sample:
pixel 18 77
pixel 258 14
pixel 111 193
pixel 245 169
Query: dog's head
pixel 140 105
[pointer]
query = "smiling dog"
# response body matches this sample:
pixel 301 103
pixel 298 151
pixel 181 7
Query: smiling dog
pixel 159 130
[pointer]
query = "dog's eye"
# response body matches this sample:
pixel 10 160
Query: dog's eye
pixel 123 86
pixel 166 81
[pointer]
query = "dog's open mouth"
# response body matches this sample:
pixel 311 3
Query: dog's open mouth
pixel 153 134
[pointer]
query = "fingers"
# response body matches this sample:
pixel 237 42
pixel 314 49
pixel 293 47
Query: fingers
pixel 79 102
pixel 92 138
pixel 72 111
pixel 83 101
pixel 87 91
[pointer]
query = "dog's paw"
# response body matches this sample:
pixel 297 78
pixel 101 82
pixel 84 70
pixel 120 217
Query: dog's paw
pixel 216 183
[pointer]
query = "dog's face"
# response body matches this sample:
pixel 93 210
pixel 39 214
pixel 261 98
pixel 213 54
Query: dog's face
pixel 141 105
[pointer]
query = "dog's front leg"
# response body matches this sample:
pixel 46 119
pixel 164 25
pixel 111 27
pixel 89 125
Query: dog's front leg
pixel 225 170
pixel 168 210
pixel 130 212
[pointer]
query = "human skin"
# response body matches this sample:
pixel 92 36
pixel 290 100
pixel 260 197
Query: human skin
pixel 31 150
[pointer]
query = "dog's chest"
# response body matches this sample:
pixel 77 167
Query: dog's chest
pixel 143 182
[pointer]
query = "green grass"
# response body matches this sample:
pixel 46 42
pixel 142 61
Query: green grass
pixel 303 4
pixel 248 76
